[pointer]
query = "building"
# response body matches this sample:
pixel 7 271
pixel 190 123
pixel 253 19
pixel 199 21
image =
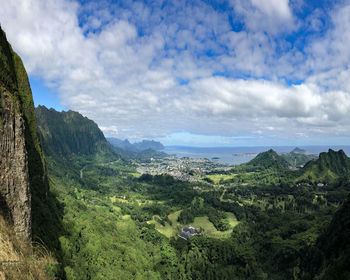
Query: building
pixel 187 232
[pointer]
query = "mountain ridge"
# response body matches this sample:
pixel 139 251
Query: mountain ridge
pixel 329 166
pixel 68 132
pixel 135 147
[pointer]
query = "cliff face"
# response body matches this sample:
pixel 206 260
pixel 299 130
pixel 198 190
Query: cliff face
pixel 14 178
pixel 22 170
pixel 66 133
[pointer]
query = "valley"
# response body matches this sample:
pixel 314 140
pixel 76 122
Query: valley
pixel 261 214
pixel 75 207
pixel 118 215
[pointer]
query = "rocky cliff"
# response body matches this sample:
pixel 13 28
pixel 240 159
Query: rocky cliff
pixel 22 169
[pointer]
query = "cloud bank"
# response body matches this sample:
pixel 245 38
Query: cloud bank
pixel 149 69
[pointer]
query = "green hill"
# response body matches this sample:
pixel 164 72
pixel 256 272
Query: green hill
pixel 269 159
pixel 297 159
pixel 66 133
pixel 330 257
pixel 329 166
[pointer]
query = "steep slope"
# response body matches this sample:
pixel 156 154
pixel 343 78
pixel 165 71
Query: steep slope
pixel 327 167
pixel 269 159
pixel 22 176
pixel 23 261
pixel 67 133
pixel 330 257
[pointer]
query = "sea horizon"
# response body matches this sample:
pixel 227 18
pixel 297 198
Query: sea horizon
pixel 239 155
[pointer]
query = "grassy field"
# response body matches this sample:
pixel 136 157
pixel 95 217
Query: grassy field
pixel 168 230
pixel 135 174
pixel 200 223
pixel 218 178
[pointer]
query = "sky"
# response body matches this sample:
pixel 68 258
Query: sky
pixel 195 73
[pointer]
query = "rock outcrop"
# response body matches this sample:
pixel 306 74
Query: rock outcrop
pixel 22 169
pixel 14 177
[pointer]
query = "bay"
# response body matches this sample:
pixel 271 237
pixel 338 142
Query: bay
pixel 239 155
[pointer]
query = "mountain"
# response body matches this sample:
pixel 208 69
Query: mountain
pixel 330 165
pixel 67 133
pixel 23 181
pixel 269 159
pixel 136 147
pixel 329 258
pixel 297 159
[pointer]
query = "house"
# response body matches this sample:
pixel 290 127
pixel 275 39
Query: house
pixel 187 232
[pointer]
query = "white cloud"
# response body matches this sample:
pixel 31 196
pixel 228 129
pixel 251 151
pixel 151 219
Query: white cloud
pixel 273 8
pixel 273 16
pixel 249 99
pixel 164 81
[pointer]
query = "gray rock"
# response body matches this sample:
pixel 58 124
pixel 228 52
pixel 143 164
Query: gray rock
pixel 14 177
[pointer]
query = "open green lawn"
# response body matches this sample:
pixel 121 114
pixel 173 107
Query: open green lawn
pixel 167 230
pixel 216 178
pixel 199 223
pixel 135 174
pixel 209 229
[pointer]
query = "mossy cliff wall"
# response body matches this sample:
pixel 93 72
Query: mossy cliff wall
pixel 22 168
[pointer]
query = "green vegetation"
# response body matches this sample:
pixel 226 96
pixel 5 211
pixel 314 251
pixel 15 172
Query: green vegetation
pixel 297 159
pixel 220 178
pixel 269 159
pixel 327 168
pixel 329 257
pixel 65 133
pixel 103 220
pixel 172 227
pixel 255 221
pixel 138 220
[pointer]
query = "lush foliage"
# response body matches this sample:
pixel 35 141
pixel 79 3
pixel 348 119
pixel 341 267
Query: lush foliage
pixel 108 233
pixel 117 224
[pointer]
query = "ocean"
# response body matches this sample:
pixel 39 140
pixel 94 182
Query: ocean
pixel 239 155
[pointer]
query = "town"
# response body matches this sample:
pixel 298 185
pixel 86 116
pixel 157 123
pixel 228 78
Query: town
pixel 183 169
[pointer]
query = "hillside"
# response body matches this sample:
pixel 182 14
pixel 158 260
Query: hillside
pixel 67 133
pixel 329 166
pixel 297 159
pixel 269 159
pixel 21 262
pixel 329 258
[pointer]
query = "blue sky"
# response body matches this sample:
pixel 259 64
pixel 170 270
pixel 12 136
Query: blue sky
pixel 205 73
